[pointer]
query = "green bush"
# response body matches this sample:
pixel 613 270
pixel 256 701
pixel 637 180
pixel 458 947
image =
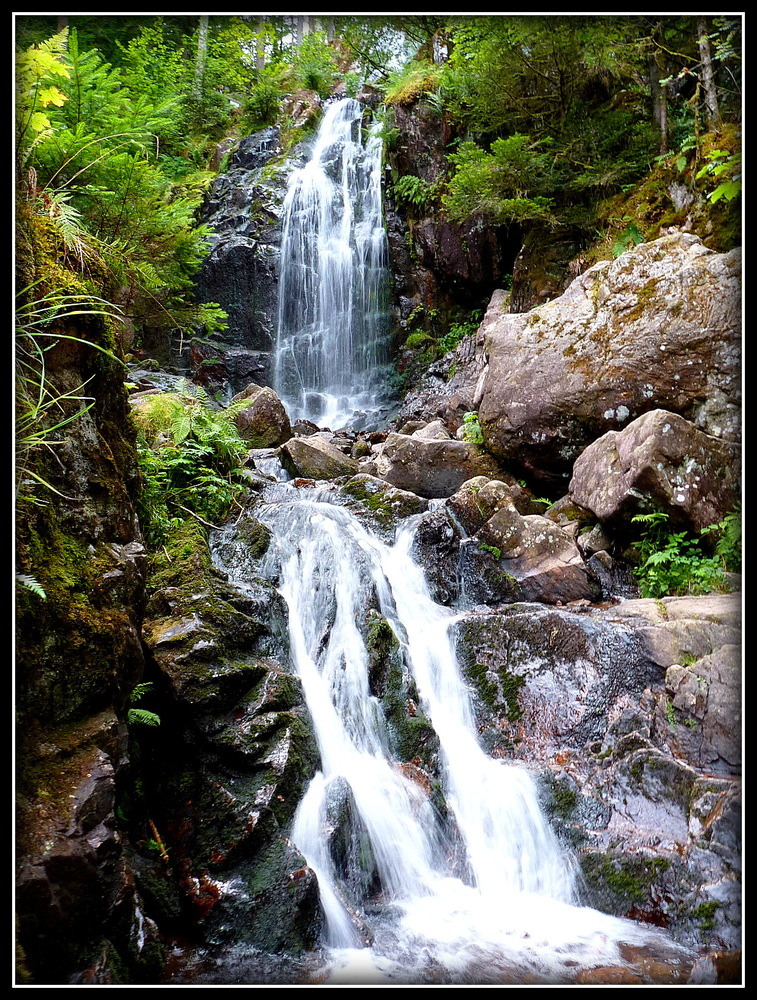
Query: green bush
pixel 190 458
pixel 472 429
pixel 677 563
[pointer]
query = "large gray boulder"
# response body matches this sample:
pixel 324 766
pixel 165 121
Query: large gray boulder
pixel 631 714
pixel 315 457
pixel 260 417
pixel 533 560
pixel 657 328
pixel 432 467
pixel 660 461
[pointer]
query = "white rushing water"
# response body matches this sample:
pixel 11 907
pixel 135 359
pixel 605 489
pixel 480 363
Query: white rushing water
pixel 333 320
pixel 484 894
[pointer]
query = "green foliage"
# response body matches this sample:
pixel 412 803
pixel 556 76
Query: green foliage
pixel 458 332
pixel 190 458
pixel 507 184
pixel 263 101
pixel 314 64
pixel 728 546
pixel 724 168
pixel 491 549
pixel 96 177
pixel 630 237
pixel 675 562
pixel 141 716
pixel 30 583
pixel 412 81
pixel 411 190
pixel 43 411
pixel 472 429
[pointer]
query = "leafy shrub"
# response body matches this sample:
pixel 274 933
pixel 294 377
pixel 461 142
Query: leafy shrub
pixel 411 190
pixel 676 563
pixel 262 104
pixel 472 429
pixel 190 458
pixel 411 82
pixel 458 332
pixel 314 65
pixel 507 184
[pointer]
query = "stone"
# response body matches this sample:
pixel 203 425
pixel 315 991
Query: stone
pixel 383 504
pixel 657 328
pixel 538 560
pixel 260 417
pixel 315 457
pixel 432 468
pixel 660 461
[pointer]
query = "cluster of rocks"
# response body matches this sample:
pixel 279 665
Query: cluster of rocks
pixel 620 398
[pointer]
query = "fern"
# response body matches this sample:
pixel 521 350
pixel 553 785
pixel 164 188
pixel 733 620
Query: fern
pixel 141 717
pixel 674 562
pixel 30 583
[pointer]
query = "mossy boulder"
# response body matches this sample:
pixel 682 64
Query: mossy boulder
pixel 381 504
pixel 260 417
pixel 658 328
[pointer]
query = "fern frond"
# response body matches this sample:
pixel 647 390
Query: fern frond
pixel 141 717
pixel 140 691
pixel 28 582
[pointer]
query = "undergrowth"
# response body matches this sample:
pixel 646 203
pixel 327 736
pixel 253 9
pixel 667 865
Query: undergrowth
pixel 190 457
pixel 679 563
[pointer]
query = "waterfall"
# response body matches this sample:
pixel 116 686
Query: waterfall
pixel 332 337
pixel 475 890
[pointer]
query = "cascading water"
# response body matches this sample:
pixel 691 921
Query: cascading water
pixel 333 319
pixel 470 888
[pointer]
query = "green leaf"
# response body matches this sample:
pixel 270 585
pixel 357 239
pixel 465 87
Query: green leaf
pixel 30 583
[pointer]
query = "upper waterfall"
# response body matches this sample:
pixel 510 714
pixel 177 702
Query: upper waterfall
pixel 332 335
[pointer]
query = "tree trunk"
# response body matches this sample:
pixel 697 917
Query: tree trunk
pixel 712 110
pixel 659 97
pixel 202 52
pixel 260 46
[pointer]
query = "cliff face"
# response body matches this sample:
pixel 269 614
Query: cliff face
pixel 78 658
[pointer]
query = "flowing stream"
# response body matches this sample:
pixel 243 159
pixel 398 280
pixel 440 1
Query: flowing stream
pixel 439 872
pixel 457 882
pixel 332 339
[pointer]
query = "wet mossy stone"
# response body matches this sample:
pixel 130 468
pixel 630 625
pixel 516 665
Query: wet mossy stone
pixel 625 884
pixel 255 535
pixel 384 504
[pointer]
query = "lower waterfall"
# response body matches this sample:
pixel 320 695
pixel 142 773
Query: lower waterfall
pixel 462 883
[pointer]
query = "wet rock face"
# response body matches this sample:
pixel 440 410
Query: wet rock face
pixel 633 714
pixel 437 264
pixel 240 272
pixel 224 771
pixel 78 656
pixel 76 900
pixel 657 328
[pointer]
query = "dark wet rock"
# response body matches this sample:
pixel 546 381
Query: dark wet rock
pixel 436 546
pixel 598 698
pixel 381 504
pixel 240 272
pixel 224 771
